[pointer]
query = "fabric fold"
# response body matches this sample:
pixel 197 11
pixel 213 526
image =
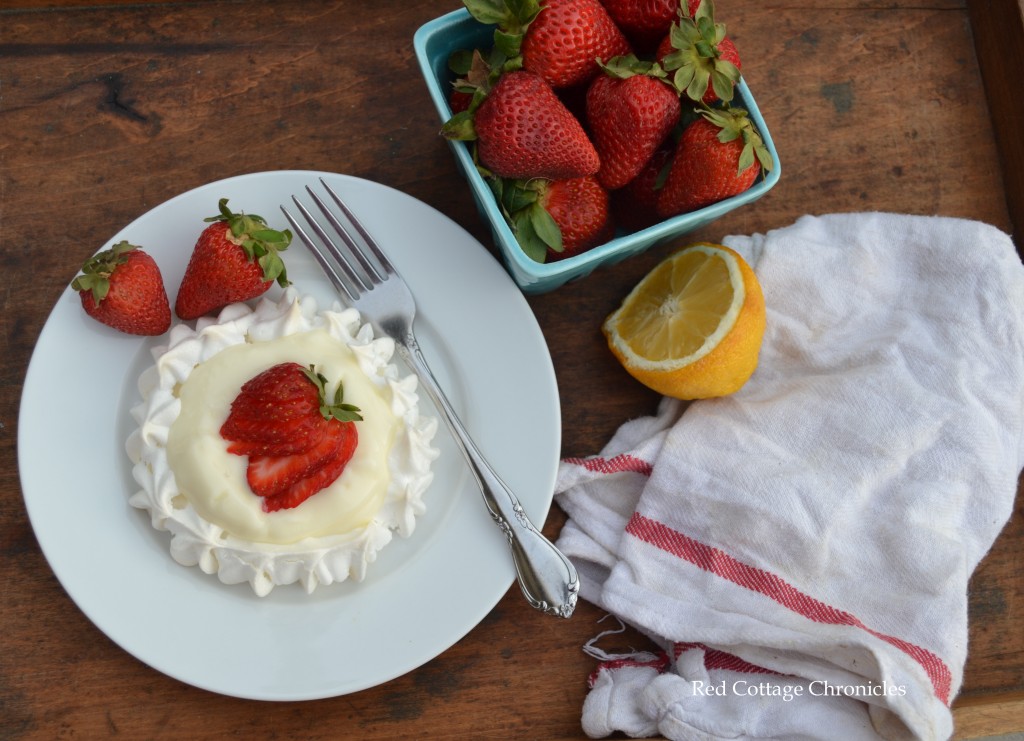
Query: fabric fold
pixel 817 529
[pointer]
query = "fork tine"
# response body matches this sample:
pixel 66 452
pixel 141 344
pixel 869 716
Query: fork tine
pixel 365 235
pixel 369 270
pixel 351 285
pixel 343 256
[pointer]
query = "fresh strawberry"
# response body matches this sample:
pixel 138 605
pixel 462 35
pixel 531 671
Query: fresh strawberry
pixel 122 288
pixel 703 61
pixel 235 259
pixel 275 413
pixel 556 219
pixel 522 130
pixel 719 155
pixel 459 100
pixel 297 441
pixel 647 22
pixel 320 479
pixel 559 40
pixel 630 111
pixel 635 206
pixel 269 475
pixel 567 38
pixel 580 209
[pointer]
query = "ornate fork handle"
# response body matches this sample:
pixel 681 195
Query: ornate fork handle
pixel 548 579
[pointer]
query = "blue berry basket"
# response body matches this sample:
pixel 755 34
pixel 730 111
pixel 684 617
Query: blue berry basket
pixel 433 43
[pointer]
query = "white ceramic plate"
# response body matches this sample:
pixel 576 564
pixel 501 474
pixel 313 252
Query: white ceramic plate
pixel 421 595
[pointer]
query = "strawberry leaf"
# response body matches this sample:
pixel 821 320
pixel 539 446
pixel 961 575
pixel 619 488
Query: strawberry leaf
pixel 96 271
pixel 259 242
pixel 698 85
pixel 545 227
pixel 461 61
pixel 746 157
pixel 518 194
pixel 705 48
pixel 763 155
pixel 629 65
pixel 696 57
pixel 459 127
pixel 511 18
pixel 724 78
pixel 497 185
pixel 533 246
pixel 338 410
pixel 273 268
pixel 735 123
pixel 510 44
pixel 684 76
pixel 490 12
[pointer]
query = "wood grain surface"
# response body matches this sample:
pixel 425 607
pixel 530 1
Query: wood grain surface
pixel 108 109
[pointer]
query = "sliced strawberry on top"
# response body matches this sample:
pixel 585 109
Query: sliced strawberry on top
pixel 297 441
pixel 320 479
pixel 269 475
pixel 282 438
pixel 276 413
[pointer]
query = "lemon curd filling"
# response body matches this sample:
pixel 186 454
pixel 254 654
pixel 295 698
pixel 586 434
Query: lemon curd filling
pixel 197 491
pixel 213 480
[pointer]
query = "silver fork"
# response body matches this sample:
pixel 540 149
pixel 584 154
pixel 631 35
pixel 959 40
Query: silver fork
pixel 548 579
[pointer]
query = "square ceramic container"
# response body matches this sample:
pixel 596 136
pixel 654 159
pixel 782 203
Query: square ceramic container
pixel 434 42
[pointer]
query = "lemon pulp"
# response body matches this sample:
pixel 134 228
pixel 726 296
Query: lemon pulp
pixel 693 326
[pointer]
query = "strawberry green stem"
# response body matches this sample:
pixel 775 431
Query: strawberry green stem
pixel 259 242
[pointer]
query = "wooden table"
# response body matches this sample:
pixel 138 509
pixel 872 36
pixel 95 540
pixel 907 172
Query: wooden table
pixel 109 108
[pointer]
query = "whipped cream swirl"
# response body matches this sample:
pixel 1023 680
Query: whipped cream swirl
pixel 313 560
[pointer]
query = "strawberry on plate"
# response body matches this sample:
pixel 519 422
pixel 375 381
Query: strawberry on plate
pixel 275 413
pixel 270 475
pixel 631 109
pixel 122 288
pixel 719 155
pixel 322 477
pixel 523 130
pixel 235 259
pixel 297 441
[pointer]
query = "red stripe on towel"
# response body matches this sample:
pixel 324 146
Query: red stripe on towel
pixel 658 662
pixel 715 659
pixel 617 464
pixel 774 587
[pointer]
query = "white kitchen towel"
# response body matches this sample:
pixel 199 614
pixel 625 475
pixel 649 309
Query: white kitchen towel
pixel 800 550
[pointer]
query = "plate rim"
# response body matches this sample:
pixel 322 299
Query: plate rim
pixel 37 514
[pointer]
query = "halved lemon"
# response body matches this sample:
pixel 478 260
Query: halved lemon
pixel 692 327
